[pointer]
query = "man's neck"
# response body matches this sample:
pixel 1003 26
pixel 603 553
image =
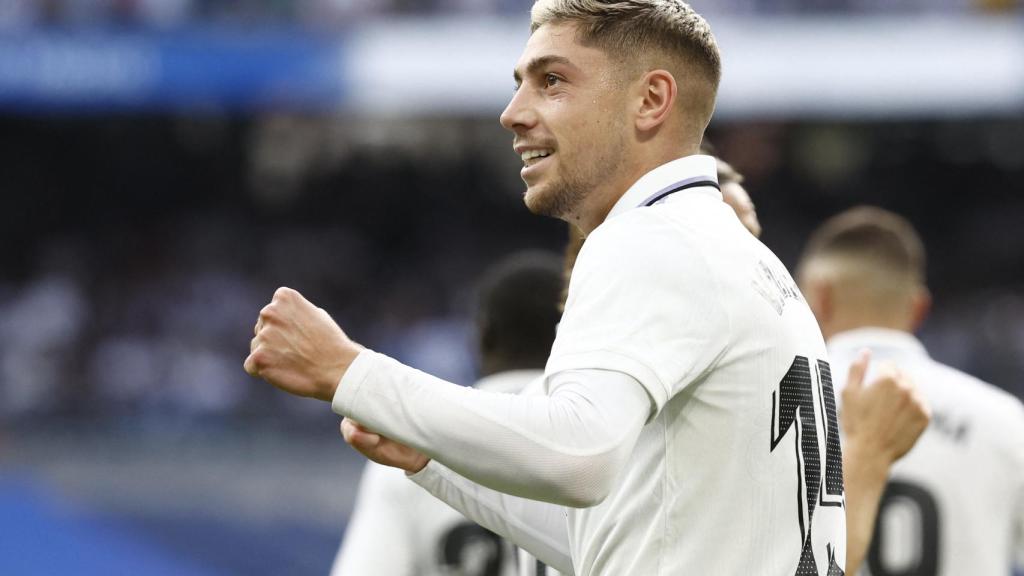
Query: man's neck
pixel 600 202
pixel 848 324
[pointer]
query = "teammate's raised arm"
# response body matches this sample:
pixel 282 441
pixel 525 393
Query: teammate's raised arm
pixel 881 420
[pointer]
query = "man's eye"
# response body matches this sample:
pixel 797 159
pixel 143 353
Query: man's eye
pixel 550 80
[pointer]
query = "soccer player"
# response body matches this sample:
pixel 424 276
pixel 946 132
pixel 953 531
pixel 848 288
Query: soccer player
pixel 955 503
pixel 688 423
pixel 882 420
pixel 397 528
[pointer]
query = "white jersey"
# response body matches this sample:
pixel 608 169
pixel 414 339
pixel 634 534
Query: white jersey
pixel 738 471
pixel 688 424
pixel 398 529
pixel 954 505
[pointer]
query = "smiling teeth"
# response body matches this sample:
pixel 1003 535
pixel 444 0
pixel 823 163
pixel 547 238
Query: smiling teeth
pixel 531 154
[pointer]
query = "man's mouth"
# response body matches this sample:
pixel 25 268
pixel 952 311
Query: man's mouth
pixel 531 157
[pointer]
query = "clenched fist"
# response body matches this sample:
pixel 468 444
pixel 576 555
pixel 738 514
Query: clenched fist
pixel 887 416
pixel 299 348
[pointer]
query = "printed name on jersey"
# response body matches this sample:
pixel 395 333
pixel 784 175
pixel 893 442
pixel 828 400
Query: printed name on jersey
pixel 949 427
pixel 775 285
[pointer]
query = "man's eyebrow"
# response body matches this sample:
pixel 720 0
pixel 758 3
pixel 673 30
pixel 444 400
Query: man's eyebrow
pixel 538 63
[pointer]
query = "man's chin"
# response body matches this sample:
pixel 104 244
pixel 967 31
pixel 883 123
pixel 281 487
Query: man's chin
pixel 537 202
pixel 553 201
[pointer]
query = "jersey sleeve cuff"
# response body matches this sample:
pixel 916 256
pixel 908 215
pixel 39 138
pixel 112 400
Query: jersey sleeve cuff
pixel 607 360
pixel 426 476
pixel 347 394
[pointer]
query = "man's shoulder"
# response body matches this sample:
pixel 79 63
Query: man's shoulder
pixel 633 227
pixel 965 406
pixel 645 239
pixel 965 388
pixel 681 220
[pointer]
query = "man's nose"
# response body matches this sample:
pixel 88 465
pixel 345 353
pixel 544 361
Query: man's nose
pixel 519 115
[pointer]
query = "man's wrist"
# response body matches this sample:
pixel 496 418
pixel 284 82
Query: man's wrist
pixel 417 467
pixel 329 386
pixel 869 464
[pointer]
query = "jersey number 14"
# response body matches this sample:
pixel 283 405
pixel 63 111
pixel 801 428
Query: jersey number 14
pixel 795 405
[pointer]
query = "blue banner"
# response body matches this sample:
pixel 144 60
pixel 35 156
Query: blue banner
pixel 198 69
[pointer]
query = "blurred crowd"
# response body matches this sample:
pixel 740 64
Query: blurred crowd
pixel 130 277
pixel 162 14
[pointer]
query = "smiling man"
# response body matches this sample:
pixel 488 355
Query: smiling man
pixel 686 422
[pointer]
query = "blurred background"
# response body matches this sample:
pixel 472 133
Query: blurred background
pixel 166 164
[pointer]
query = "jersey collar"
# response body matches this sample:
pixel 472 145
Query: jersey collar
pixel 893 342
pixel 678 172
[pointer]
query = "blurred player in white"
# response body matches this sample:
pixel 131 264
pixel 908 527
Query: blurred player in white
pixel 955 504
pixel 688 423
pixel 397 528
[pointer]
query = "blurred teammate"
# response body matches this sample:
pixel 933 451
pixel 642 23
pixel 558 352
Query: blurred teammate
pixel 955 503
pixel 397 528
pixel 688 423
pixel 736 196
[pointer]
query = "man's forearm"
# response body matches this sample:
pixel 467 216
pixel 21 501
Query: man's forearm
pixel 537 527
pixel 566 448
pixel 865 474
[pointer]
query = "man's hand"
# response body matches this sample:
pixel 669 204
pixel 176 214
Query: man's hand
pixel 299 348
pixel 886 417
pixel 882 421
pixel 380 449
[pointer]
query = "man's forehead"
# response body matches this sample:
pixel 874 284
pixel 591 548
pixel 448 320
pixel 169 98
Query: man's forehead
pixel 549 39
pixel 555 42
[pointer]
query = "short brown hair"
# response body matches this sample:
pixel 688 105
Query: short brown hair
pixel 885 239
pixel 638 27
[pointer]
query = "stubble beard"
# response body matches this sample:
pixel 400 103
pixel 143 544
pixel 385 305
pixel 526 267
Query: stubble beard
pixel 558 199
pixel 563 198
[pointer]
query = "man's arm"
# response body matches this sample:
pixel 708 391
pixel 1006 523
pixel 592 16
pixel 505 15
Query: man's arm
pixel 537 527
pixel 567 447
pixel 882 421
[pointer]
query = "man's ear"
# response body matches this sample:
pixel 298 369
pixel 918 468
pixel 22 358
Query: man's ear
pixel 656 95
pixel 920 307
pixel 820 298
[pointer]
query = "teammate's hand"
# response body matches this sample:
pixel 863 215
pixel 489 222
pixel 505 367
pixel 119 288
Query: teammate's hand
pixel 886 417
pixel 299 348
pixel 380 449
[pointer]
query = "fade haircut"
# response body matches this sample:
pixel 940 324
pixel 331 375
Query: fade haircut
pixel 637 28
pixel 873 249
pixel 886 239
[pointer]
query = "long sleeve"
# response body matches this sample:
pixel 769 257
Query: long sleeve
pixel 566 448
pixel 537 527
